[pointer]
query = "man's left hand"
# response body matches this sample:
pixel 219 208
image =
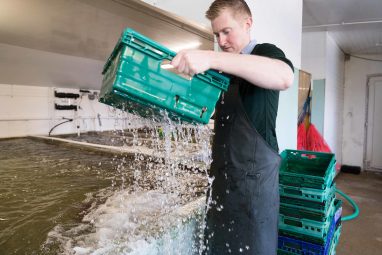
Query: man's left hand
pixel 191 62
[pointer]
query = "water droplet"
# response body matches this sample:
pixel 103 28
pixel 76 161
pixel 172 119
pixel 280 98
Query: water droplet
pixel 240 249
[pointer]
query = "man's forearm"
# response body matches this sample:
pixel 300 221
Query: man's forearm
pixel 262 71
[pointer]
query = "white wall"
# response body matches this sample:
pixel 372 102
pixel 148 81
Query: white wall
pixel 279 23
pixel 29 78
pixel 334 96
pixel 274 22
pixel 286 122
pixel 313 54
pixel 21 65
pixel 354 114
pixel 322 57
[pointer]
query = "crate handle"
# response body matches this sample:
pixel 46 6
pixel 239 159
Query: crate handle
pixel 292 191
pixel 292 222
pixel 308 156
pixel 166 64
pixel 292 245
pixel 191 107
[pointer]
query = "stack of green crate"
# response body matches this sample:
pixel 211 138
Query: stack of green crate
pixel 309 220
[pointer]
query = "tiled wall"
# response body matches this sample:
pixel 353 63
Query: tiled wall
pixel 29 110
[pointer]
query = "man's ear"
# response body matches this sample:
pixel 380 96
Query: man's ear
pixel 248 22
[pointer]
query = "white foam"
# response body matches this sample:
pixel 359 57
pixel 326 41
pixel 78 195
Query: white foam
pixel 141 223
pixel 81 251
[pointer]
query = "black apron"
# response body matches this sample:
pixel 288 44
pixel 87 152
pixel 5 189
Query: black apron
pixel 244 201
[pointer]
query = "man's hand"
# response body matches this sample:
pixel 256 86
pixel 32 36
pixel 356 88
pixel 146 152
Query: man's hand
pixel 191 62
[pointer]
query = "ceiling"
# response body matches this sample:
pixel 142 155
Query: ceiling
pixel 356 25
pixel 91 28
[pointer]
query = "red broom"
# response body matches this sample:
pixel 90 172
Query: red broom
pixel 301 137
pixel 315 141
pixel 308 137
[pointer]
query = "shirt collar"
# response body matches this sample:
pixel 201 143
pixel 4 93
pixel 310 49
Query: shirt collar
pixel 249 48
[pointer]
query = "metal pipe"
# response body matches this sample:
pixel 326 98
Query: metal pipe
pixel 85 118
pixel 24 119
pixel 344 24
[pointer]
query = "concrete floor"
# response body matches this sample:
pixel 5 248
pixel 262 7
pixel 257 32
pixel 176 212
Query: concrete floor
pixel 362 235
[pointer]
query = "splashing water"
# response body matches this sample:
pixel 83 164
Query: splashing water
pixel 158 208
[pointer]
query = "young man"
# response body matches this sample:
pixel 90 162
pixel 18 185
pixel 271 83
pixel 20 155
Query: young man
pixel 243 214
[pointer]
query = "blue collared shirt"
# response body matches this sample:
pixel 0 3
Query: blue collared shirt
pixel 249 48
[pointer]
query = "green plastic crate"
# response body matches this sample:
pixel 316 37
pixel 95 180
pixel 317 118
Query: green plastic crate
pixel 304 212
pixel 134 81
pixel 318 208
pixel 315 195
pixel 309 230
pixel 307 169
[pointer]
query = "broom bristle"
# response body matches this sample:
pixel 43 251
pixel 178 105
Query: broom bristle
pixel 301 137
pixel 314 140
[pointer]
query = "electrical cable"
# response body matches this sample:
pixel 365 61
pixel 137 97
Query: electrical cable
pixel 353 204
pixel 66 120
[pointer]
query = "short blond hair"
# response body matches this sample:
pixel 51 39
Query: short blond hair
pixel 237 7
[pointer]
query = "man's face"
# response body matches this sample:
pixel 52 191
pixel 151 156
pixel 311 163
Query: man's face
pixel 232 34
